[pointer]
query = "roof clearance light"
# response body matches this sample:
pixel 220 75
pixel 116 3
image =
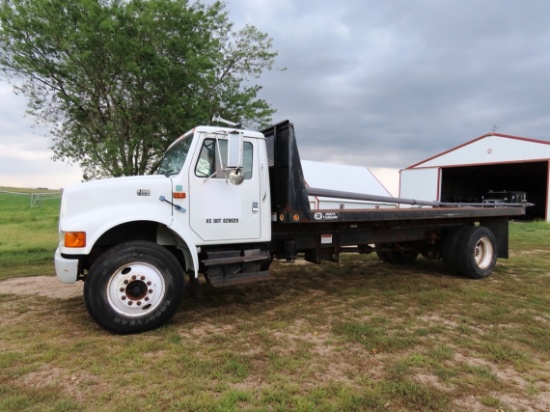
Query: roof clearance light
pixel 75 239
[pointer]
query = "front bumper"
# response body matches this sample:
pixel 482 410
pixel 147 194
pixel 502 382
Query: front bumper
pixel 65 269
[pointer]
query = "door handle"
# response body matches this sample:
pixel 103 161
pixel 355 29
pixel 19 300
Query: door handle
pixel 264 182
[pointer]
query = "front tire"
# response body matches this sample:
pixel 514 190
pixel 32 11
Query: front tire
pixel 133 287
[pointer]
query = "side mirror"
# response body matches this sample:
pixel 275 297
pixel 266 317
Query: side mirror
pixel 235 150
pixel 236 176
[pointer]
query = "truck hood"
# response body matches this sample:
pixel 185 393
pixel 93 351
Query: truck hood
pixel 98 195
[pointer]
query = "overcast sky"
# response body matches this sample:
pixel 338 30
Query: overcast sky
pixel 376 83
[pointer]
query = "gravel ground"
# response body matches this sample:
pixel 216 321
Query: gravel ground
pixel 47 286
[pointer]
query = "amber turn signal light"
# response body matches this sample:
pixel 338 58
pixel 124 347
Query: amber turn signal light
pixel 75 239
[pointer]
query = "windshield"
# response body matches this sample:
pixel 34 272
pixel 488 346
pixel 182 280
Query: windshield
pixel 175 157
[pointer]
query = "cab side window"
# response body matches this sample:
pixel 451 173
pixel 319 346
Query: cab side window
pixel 213 156
pixel 247 160
pixel 205 166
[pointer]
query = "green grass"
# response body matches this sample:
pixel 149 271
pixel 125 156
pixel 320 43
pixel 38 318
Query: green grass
pixel 349 336
pixel 28 235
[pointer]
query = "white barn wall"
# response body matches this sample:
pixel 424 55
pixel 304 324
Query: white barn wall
pixel 422 181
pixel 345 178
pixel 419 184
pixel 548 194
pixel 491 149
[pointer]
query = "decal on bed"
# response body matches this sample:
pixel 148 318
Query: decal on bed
pixel 326 216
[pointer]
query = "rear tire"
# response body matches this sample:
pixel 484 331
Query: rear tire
pixel 133 287
pixel 477 252
pixel 449 251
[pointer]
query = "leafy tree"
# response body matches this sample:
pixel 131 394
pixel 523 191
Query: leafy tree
pixel 119 80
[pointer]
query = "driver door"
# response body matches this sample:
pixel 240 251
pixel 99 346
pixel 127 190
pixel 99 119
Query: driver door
pixel 220 210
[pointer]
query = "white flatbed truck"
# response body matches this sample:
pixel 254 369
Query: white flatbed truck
pixel 224 203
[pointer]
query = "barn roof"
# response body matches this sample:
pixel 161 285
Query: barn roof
pixel 345 178
pixel 490 148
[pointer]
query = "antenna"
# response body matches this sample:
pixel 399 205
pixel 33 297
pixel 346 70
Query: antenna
pixel 219 119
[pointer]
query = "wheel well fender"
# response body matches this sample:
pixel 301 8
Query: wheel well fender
pixel 184 243
pixel 151 231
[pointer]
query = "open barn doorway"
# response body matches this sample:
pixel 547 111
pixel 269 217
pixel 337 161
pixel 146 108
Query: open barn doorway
pixel 471 183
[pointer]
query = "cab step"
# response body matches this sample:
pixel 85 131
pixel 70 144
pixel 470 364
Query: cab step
pixel 229 257
pixel 235 267
pixel 239 278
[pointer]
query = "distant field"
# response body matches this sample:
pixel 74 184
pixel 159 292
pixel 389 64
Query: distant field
pixel 27 190
pixel 359 335
pixel 28 235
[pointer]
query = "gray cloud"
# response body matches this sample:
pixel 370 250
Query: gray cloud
pixel 386 84
pixel 25 157
pixel 381 83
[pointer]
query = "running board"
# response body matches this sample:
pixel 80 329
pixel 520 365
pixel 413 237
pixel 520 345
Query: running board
pixel 235 267
pixel 239 278
pixel 226 258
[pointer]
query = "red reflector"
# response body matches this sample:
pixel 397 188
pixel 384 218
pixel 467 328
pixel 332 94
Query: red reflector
pixel 179 195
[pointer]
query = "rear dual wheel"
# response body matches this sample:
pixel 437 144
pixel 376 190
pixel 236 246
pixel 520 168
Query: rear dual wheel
pixel 449 249
pixel 470 251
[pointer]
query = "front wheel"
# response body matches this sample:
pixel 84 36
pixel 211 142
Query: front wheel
pixel 477 252
pixel 133 287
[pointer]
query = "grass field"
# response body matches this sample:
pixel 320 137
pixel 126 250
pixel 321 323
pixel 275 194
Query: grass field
pixel 28 235
pixel 349 336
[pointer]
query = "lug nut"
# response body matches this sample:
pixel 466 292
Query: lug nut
pixel 150 290
pixel 123 298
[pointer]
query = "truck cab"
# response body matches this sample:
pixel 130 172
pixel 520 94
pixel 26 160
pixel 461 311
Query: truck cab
pixel 496 197
pixel 220 187
pixel 206 210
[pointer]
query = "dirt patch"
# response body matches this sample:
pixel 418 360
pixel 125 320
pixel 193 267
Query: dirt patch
pixel 48 286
